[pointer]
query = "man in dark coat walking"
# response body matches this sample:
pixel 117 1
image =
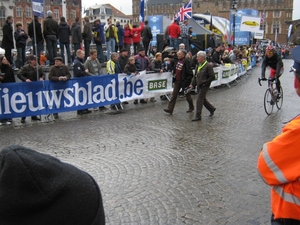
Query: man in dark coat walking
pixel 20 38
pixel 8 41
pixel 38 35
pixel 64 34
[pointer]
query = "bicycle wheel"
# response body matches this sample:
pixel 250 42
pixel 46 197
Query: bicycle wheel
pixel 279 100
pixel 268 102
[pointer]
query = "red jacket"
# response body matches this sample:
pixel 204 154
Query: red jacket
pixel 127 36
pixel 136 33
pixel 174 30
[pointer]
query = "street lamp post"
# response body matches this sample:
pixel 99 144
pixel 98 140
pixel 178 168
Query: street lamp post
pixel 233 12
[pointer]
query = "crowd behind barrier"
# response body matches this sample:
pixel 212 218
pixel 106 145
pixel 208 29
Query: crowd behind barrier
pixel 46 97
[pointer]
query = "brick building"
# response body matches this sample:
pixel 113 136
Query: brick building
pixel 23 11
pixel 276 12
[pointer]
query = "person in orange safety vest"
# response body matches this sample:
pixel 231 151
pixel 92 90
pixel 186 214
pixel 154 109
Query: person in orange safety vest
pixel 279 165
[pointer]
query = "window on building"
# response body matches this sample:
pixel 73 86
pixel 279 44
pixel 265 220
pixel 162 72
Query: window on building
pixel 102 17
pixel 18 12
pixel 276 26
pixel 2 16
pixel 276 14
pixel 72 14
pixel 28 12
pixel 56 13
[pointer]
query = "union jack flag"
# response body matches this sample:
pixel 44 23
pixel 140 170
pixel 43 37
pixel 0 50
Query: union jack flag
pixel 185 12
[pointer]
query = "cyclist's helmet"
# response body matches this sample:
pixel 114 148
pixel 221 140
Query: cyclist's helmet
pixel 270 48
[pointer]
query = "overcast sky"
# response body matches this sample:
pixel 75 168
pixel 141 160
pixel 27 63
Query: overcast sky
pixel 296 13
pixel 124 6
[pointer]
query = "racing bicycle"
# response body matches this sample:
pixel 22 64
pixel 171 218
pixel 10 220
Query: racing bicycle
pixel 272 96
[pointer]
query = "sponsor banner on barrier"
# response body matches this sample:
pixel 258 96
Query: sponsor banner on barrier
pixel 46 97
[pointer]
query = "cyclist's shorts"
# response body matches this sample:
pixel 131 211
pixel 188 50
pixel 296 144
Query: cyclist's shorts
pixel 273 72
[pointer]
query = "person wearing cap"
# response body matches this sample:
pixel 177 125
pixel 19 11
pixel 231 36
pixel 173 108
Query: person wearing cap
pixel 8 41
pixel 37 188
pixel 50 32
pixel 92 64
pixel 99 38
pixel 146 36
pixel 183 75
pixel 274 61
pixel 123 58
pixel 20 38
pixel 39 37
pixel 64 34
pixel 184 33
pixel 296 68
pixel 28 73
pixel 59 73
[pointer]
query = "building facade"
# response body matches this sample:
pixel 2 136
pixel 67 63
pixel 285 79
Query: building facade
pixel 105 11
pixel 276 12
pixel 22 11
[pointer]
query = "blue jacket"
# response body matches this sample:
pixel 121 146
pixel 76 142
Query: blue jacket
pixel 120 35
pixel 78 68
pixel 100 32
pixel 20 39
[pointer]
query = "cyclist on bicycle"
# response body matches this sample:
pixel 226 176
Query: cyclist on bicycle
pixel 273 60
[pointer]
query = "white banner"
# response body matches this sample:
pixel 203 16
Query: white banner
pixel 250 23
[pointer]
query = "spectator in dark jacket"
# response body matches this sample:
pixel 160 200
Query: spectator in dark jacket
pixel 87 36
pixel 130 68
pixel 64 33
pixel 29 73
pixel 76 35
pixel 216 57
pixel 123 59
pixel 51 34
pixel 38 35
pixel 8 41
pixel 99 39
pixel 142 62
pixel 146 36
pixel 211 41
pixel 80 71
pixel 20 38
pixel 120 45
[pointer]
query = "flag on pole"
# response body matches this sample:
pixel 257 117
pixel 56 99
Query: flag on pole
pixel 185 12
pixel 142 9
pixel 38 8
pixel 210 23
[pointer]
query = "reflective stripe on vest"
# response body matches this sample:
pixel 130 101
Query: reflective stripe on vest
pixel 286 196
pixel 272 166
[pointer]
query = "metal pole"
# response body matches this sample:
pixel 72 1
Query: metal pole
pixel 233 42
pixel 64 12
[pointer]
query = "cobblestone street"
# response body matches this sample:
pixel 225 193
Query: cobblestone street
pixel 155 168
